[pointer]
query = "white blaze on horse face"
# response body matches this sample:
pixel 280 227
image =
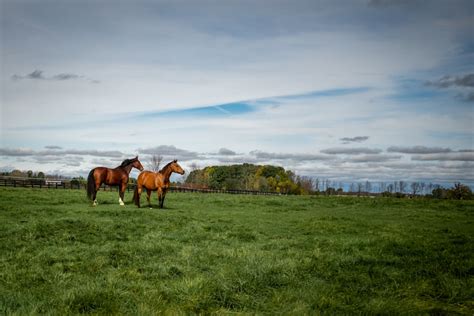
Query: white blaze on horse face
pixel 121 202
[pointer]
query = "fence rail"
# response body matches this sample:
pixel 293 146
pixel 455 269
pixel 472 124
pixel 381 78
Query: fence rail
pixel 67 184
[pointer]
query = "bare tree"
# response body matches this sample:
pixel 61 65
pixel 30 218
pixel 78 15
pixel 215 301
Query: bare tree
pixel 395 186
pixel 390 188
pixel 368 186
pixel 360 186
pixel 422 188
pixel 155 162
pixel 402 185
pixel 316 184
pixel 306 183
pixel 327 184
pixel 415 188
pixel 341 186
pixel 352 187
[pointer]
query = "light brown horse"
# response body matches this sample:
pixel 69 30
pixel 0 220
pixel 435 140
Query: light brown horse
pixel 156 181
pixel 117 176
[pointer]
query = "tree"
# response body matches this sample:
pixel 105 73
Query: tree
pixel 422 188
pixel 415 188
pixel 460 192
pixel 360 186
pixel 316 184
pixel 368 186
pixel 352 187
pixel 390 188
pixel 402 185
pixel 155 162
pixel 439 193
pixel 306 183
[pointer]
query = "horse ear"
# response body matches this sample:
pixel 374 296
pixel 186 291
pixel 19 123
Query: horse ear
pixel 136 157
pixel 175 161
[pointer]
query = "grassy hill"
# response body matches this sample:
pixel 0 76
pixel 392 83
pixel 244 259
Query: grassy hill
pixel 231 253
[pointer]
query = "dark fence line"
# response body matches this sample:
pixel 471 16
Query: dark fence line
pixel 66 184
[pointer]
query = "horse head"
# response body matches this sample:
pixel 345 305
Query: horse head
pixel 175 167
pixel 137 164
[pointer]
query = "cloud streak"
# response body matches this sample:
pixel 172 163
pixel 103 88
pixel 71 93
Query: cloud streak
pixel 465 81
pixel 351 151
pixel 449 156
pixel 356 139
pixel 170 151
pixel 54 152
pixel 226 152
pixel 418 150
pixel 261 155
pixel 39 75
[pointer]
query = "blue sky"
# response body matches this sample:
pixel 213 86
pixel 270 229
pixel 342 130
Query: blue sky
pixel 377 90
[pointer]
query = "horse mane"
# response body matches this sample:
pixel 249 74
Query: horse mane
pixel 167 166
pixel 126 162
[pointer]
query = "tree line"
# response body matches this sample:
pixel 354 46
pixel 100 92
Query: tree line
pixel 268 178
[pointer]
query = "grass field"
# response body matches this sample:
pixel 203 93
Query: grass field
pixel 234 253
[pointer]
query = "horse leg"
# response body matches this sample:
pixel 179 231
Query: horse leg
pixel 160 196
pixel 163 198
pixel 137 194
pixel 122 193
pixel 94 195
pixel 148 195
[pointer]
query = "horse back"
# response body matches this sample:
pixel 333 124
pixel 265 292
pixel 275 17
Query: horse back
pixel 110 176
pixel 149 180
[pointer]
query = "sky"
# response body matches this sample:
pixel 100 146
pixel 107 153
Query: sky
pixel 377 90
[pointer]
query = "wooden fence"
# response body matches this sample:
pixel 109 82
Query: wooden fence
pixel 74 185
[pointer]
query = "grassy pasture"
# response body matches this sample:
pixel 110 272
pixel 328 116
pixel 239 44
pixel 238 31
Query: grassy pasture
pixel 234 253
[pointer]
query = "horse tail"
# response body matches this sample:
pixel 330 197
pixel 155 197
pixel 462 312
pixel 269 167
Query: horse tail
pixel 90 184
pixel 136 200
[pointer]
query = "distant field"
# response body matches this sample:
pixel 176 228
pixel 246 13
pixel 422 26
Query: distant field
pixel 219 253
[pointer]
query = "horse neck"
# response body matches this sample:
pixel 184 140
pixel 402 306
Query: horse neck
pixel 167 173
pixel 127 168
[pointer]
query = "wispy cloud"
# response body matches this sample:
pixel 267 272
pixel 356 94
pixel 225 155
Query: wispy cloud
pixel 464 84
pixel 351 151
pixel 287 156
pixel 373 158
pixel 447 156
pixel 417 150
pixel 39 75
pixel 453 81
pixel 169 151
pixel 18 152
pixel 356 139
pixel 226 152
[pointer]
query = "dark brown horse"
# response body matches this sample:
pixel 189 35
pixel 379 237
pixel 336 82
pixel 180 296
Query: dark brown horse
pixel 117 176
pixel 156 181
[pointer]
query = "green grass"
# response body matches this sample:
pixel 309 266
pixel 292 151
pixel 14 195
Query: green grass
pixel 233 253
